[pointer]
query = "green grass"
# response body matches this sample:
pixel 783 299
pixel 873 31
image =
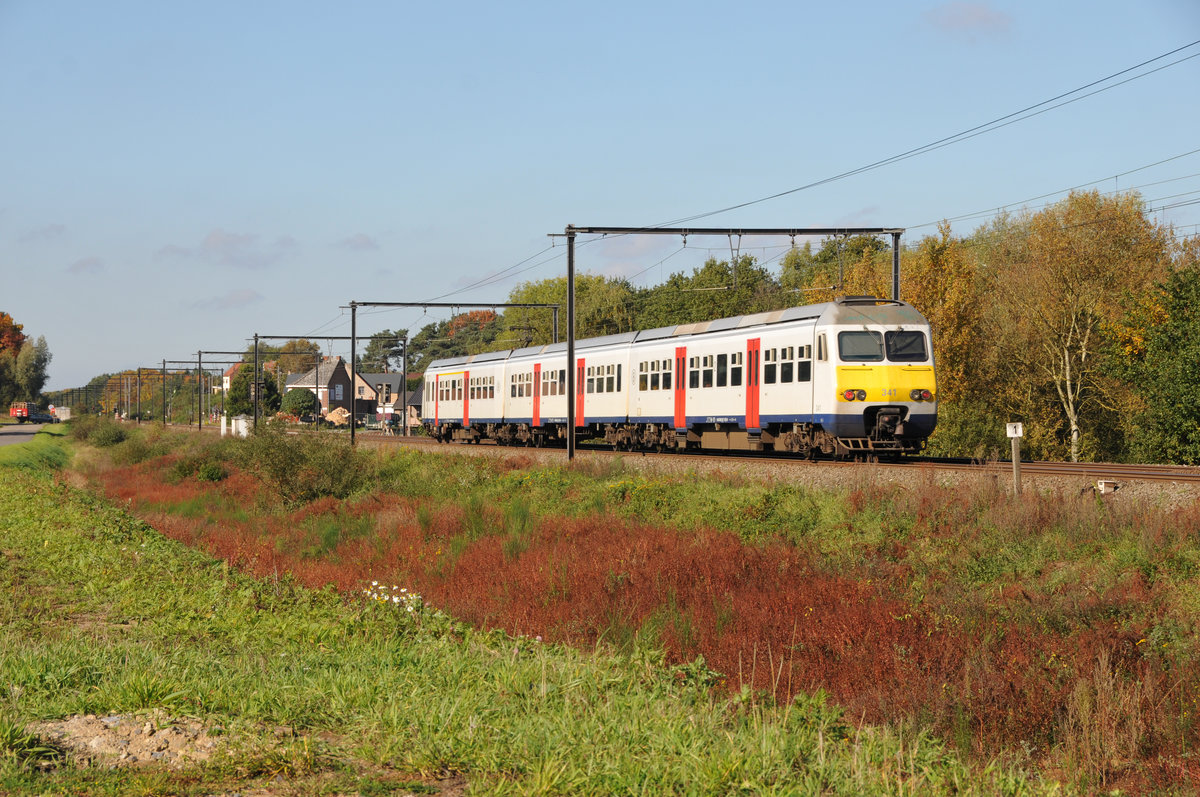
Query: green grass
pixel 47 450
pixel 99 613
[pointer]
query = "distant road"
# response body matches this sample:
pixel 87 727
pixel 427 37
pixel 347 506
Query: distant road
pixel 15 433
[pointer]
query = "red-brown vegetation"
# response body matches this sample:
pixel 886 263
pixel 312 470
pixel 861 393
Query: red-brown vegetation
pixel 1041 670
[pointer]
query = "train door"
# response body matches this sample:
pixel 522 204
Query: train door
pixel 753 354
pixel 537 394
pixel 466 397
pixel 680 387
pixel 579 369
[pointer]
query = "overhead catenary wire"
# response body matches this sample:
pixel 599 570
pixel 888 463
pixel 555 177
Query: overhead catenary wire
pixel 1058 101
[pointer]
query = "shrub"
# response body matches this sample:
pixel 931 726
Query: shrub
pixel 299 401
pixel 301 468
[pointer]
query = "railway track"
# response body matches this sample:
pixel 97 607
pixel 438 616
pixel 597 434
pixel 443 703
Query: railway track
pixel 1092 471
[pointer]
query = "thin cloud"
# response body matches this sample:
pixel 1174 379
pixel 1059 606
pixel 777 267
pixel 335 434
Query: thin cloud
pixel 51 232
pixel 239 250
pixel 359 242
pixel 87 265
pixel 976 20
pixel 233 300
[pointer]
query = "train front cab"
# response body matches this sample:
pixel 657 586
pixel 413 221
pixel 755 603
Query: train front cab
pixel 884 391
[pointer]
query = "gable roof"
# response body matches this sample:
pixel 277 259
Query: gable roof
pixel 319 376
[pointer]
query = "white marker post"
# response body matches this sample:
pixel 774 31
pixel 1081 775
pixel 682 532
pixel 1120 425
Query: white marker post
pixel 1016 431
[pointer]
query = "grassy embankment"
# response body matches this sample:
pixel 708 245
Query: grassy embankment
pixel 320 692
pixel 1054 631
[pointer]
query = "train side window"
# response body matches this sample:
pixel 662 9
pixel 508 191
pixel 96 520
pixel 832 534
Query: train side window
pixel 722 370
pixel 491 387
pixel 645 381
pixel 804 371
pixel 822 354
pixel 591 379
pixel 769 367
pixel 706 371
pixel 785 371
pixel 735 369
pixel 666 379
pixel 562 381
pixel 693 372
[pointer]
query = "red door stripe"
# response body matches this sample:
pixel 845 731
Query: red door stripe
pixel 579 419
pixel 753 352
pixel 466 389
pixel 681 387
pixel 537 394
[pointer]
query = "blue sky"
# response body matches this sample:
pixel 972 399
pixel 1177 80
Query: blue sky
pixel 179 176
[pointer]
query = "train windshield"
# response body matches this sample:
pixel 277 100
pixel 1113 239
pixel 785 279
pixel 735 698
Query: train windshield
pixel 860 347
pixel 906 347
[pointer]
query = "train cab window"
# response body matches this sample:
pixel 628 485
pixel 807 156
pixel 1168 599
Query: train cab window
pixel 860 347
pixel 693 372
pixel 722 370
pixel 906 346
pixel 770 368
pixel 735 369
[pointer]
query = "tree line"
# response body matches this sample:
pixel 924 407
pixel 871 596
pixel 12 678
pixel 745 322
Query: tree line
pixel 23 363
pixel 1081 320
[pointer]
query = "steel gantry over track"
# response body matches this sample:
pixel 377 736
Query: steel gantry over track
pixel 792 232
pixel 455 305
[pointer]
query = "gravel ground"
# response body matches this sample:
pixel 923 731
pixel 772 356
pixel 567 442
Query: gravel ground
pixel 1170 496
pixel 127 740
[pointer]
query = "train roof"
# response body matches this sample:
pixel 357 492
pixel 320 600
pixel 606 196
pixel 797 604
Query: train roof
pixel 842 310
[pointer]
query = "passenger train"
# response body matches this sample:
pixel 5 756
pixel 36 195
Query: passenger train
pixel 851 377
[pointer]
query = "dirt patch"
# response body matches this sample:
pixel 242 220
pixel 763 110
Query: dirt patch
pixel 128 740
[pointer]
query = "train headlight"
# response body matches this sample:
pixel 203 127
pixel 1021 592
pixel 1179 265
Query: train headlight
pixel 848 395
pixel 921 395
pixel 854 395
pixel 861 395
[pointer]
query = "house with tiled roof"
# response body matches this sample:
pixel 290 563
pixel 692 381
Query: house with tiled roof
pixel 330 381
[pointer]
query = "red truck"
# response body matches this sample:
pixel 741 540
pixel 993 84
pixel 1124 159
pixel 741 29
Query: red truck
pixel 22 410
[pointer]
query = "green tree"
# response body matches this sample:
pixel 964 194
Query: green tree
pixel 384 352
pixel 832 269
pixel 299 401
pixel 241 402
pixel 29 370
pixel 1085 263
pixel 1164 373
pixel 467 333
pixel 715 290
